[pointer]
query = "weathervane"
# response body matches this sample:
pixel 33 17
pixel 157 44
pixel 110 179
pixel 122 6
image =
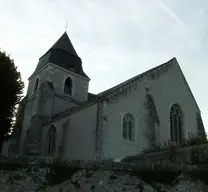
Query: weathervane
pixel 66 26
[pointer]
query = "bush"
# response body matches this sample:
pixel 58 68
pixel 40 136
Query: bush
pixel 193 139
pixel 165 146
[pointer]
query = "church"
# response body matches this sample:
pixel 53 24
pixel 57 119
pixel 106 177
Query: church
pixel 60 118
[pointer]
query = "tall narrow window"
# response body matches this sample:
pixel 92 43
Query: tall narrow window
pixel 176 124
pixel 36 85
pixel 129 127
pixel 63 138
pixel 124 129
pixel 51 140
pixel 68 86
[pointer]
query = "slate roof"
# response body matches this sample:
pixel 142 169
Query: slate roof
pixel 63 54
pixel 65 44
pixel 91 97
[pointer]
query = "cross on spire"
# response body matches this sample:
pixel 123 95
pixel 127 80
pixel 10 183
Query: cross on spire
pixel 66 26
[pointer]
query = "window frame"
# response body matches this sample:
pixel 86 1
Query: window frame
pixel 176 121
pixel 130 124
pixel 67 87
pixel 51 140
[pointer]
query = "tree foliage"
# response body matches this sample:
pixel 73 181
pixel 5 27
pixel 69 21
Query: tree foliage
pixel 11 89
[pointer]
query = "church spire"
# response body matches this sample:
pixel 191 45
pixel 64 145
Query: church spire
pixel 64 43
pixel 62 54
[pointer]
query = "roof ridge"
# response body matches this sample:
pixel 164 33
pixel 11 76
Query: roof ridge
pixel 136 77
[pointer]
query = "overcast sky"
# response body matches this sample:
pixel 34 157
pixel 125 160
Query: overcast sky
pixel 116 39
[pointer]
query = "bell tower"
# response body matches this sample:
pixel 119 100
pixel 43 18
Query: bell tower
pixel 62 68
pixel 57 84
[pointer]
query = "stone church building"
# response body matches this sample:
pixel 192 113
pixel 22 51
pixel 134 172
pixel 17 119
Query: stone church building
pixel 60 118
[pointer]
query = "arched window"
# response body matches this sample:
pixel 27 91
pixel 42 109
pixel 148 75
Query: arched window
pixel 129 127
pixel 51 140
pixel 176 124
pixel 36 85
pixel 68 86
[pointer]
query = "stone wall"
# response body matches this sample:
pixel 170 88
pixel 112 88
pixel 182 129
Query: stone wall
pixel 177 155
pixel 27 174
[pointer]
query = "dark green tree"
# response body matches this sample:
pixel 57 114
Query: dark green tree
pixel 11 89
